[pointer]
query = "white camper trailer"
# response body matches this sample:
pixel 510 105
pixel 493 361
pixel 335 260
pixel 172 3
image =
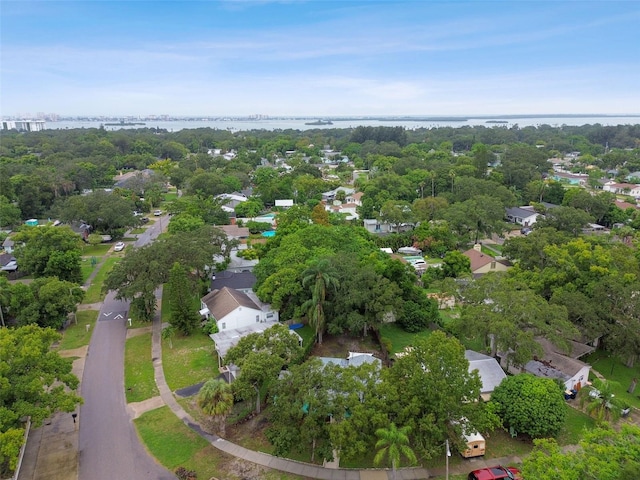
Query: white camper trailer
pixel 475 445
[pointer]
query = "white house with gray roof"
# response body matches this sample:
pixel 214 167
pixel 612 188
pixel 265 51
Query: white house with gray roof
pixel 489 370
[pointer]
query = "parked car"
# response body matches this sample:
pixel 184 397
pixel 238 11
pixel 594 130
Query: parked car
pixel 157 213
pixel 118 247
pixel 493 473
pixel 144 220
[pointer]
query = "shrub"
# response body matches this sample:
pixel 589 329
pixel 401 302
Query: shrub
pixel 184 474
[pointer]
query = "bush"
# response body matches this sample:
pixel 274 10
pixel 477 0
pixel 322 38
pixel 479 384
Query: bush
pixel 258 227
pixel 210 327
pixel 184 474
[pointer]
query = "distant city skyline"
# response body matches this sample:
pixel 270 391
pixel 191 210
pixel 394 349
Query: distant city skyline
pixel 318 58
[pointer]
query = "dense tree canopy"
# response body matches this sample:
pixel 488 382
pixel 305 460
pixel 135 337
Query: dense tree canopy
pixel 531 405
pixel 35 382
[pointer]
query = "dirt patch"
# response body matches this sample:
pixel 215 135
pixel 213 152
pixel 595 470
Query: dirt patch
pixel 339 347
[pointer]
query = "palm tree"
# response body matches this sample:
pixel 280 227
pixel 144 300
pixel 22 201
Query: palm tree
pixel 168 333
pixel 600 401
pixel 394 442
pixel 319 277
pixel 215 399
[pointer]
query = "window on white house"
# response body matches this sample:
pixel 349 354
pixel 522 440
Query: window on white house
pixel 224 325
pixel 257 318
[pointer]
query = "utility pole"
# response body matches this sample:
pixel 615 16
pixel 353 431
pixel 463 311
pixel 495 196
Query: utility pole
pixel 447 455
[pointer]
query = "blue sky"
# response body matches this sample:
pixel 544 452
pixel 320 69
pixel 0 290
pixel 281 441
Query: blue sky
pixel 319 58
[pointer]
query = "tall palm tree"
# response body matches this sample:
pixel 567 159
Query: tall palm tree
pixel 215 399
pixel 319 277
pixel 394 442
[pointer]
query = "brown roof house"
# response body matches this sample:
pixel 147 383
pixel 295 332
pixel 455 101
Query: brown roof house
pixel 237 314
pixel 560 365
pixel 482 263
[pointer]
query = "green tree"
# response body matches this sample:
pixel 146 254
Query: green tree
pixel 601 403
pixel 566 219
pixel 49 251
pixel 106 212
pixel 455 264
pixel 508 316
pixel 9 213
pixel 215 399
pixel 46 301
pixel 531 405
pixel 320 278
pixel 260 357
pixel 430 387
pixel 35 382
pixel 184 222
pixel 604 453
pixel 393 443
pixel 180 290
pixel 319 215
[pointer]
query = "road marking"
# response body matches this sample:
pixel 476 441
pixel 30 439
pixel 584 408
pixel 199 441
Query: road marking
pixel 118 316
pixel 107 314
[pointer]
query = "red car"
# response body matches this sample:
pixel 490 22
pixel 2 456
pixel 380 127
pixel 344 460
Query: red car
pixel 497 472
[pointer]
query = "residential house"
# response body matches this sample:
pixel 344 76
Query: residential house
pixel 285 203
pixel 330 196
pixel 522 216
pixel 490 372
pixel 355 198
pixel 234 231
pixel 482 263
pixel 233 309
pixel 354 359
pixel 349 210
pixel 622 188
pixel 8 245
pixel 242 281
pixel 8 263
pixel 231 200
pixel 556 364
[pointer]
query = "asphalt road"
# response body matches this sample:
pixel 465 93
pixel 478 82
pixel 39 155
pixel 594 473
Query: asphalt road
pixel 108 442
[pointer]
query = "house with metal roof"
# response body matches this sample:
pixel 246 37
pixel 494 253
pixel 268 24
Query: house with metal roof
pixel 489 370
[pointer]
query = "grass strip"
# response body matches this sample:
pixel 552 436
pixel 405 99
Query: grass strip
pixel 139 379
pixel 77 335
pixel 94 292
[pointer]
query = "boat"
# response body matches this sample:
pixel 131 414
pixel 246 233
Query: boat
pixel 320 122
pixel 122 123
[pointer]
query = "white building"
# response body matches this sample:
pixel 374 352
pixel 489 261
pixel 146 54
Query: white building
pixel 23 125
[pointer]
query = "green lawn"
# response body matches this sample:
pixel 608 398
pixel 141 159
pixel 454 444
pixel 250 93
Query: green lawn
pixel 574 426
pixel 76 334
pixel 94 292
pixel 398 337
pixel 139 380
pixel 86 268
pixel 191 360
pixel 174 445
pixel 613 369
pixel 170 440
pixel 95 250
pixel 137 231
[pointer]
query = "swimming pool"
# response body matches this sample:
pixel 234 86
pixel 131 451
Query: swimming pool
pixel 269 233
